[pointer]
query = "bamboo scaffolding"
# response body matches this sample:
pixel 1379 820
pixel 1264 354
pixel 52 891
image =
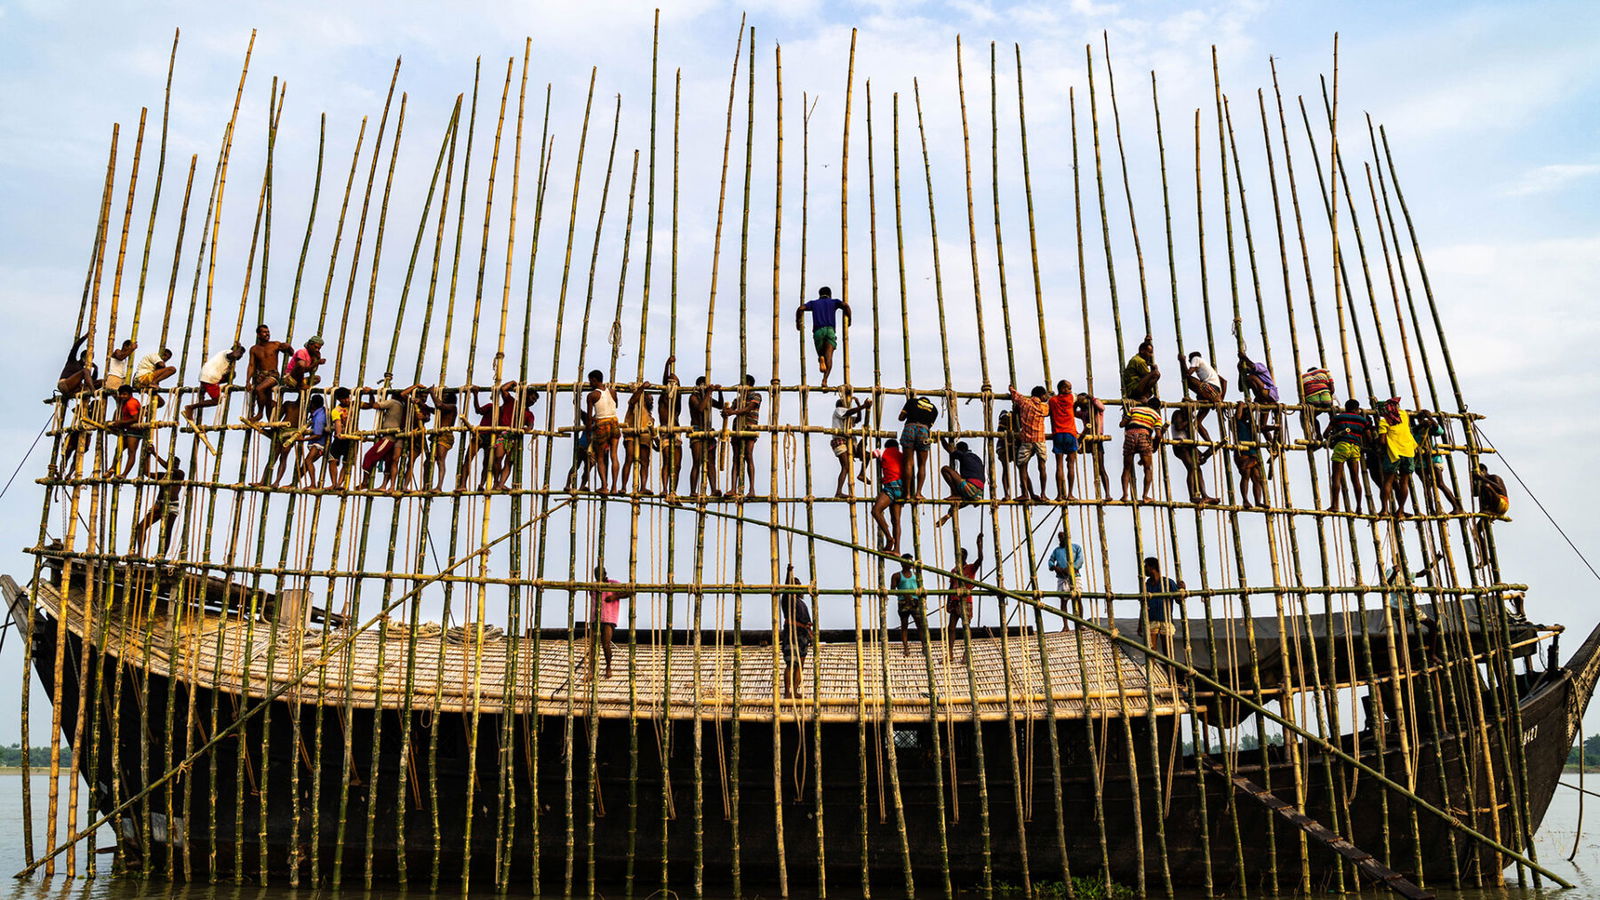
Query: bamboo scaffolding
pixel 206 612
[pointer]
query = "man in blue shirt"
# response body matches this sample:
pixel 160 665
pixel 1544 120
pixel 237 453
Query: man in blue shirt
pixel 1066 563
pixel 824 326
pixel 1159 608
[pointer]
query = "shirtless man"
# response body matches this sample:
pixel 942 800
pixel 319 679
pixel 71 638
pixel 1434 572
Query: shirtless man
pixel 638 439
pixel 746 414
pixel 667 417
pixel 262 373
pixel 703 438
pixel 447 405
pixel 1091 411
pixel 165 508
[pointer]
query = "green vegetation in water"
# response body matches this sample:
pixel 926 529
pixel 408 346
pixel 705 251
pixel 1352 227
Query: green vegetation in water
pixel 1084 887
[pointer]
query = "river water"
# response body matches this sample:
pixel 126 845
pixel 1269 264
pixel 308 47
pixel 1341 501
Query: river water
pixel 1554 844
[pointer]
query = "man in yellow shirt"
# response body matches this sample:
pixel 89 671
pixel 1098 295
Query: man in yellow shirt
pixel 1399 459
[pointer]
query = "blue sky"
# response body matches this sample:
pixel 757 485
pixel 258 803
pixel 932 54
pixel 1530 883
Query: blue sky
pixel 1490 110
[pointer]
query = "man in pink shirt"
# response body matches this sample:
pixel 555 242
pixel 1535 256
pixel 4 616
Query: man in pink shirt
pixel 604 609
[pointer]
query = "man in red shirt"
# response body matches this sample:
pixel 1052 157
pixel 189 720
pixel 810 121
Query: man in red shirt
pixel 891 494
pixel 1064 438
pixel 131 434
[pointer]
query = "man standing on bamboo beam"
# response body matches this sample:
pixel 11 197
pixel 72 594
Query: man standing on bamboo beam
pixel 1247 456
pixel 916 439
pixel 1064 439
pixel 1066 563
pixel 1091 411
pixel 891 494
pixel 1348 434
pixel 1141 436
pixel 447 405
pixel 824 326
pixel 604 429
pixel 165 508
pixel 1399 460
pixel 1189 434
pixel 667 410
pixel 703 439
pixel 1031 413
pixel 746 414
pixel 1161 597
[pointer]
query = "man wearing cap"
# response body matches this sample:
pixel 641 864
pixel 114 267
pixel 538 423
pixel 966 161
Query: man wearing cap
pixel 301 372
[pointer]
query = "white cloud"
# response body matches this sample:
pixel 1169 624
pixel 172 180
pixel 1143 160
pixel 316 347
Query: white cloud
pixel 1542 179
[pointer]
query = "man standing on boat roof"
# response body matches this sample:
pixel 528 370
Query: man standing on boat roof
pixel 1066 563
pixel 824 326
pixel 795 634
pixel 906 584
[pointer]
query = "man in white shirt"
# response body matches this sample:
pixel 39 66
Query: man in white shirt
pixel 1202 378
pixel 117 365
pixel 153 369
pixel 217 371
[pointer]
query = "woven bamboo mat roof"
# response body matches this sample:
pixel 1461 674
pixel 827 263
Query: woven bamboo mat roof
pixel 1089 674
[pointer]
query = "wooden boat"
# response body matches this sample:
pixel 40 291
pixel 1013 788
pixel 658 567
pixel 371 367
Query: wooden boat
pixel 535 737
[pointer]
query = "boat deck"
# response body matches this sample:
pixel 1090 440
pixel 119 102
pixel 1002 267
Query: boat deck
pixel 1089 675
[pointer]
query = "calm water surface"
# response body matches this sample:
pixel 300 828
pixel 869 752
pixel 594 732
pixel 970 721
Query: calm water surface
pixel 1554 844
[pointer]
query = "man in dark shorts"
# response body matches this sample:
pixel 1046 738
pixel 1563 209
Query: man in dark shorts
pixel 906 585
pixel 1247 456
pixel 165 509
pixel 132 433
pixel 1187 435
pixel 1429 432
pixel 77 375
pixel 964 476
pixel 916 439
pixel 824 327
pixel 668 409
pixel 796 634
pixel 746 414
pixel 958 608
pixel 341 445
pixel 262 372
pixel 1493 501
pixel 1140 373
pixel 1091 413
pixel 703 439
pixel 447 409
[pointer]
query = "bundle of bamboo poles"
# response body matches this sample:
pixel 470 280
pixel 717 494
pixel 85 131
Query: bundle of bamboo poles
pixel 501 563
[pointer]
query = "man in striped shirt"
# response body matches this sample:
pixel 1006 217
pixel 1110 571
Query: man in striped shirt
pixel 1032 411
pixel 1141 429
pixel 1348 434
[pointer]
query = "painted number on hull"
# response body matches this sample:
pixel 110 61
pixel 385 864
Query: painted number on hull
pixel 1529 734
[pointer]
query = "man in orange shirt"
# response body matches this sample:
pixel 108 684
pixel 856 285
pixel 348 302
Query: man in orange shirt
pixel 1064 438
pixel 1031 413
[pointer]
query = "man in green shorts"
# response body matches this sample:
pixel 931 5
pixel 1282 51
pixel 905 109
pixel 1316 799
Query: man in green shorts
pixel 907 586
pixel 824 326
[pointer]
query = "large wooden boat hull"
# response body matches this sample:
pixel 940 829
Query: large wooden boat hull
pixel 512 798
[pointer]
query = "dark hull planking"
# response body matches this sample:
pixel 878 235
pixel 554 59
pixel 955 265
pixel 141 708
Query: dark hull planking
pixel 627 835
